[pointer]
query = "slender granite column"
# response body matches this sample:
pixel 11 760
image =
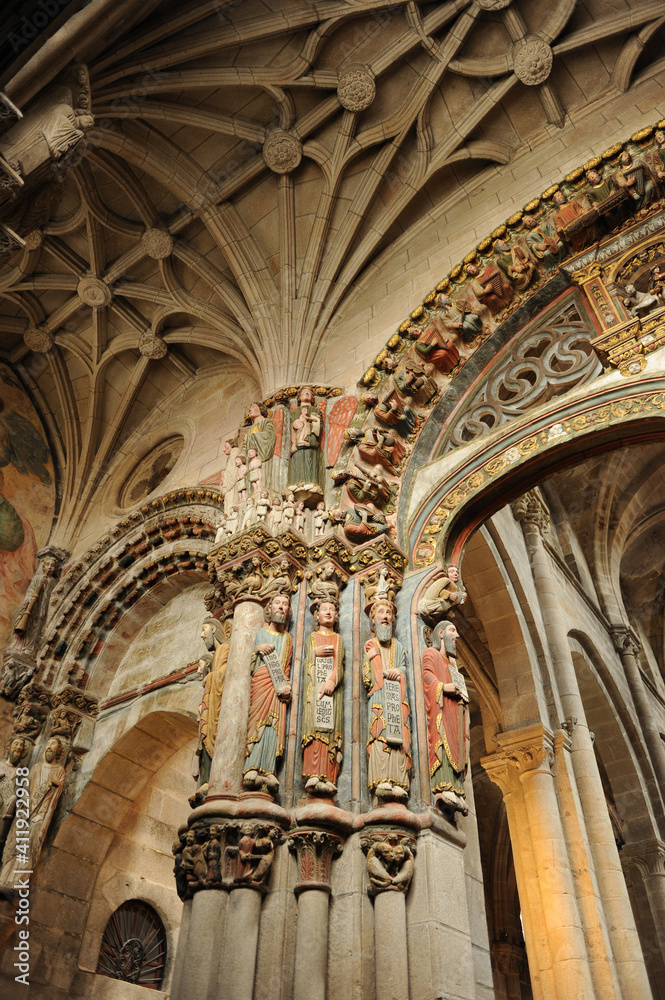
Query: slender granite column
pixel 622 933
pixel 649 859
pixel 627 646
pixel 229 755
pixel 390 854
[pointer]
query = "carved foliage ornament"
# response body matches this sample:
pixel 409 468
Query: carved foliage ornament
pixel 38 340
pixel 356 89
pixel 315 850
pixel 152 346
pixel 157 243
pixel 282 151
pixel 532 61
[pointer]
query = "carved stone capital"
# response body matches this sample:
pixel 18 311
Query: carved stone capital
pixel 229 854
pixel 530 509
pixel 510 958
pixel 521 752
pixel 648 858
pixel 32 708
pixel 254 566
pixel 625 640
pixel 315 850
pixel 390 859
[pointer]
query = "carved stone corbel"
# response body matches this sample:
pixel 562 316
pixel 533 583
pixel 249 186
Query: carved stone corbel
pixel 390 860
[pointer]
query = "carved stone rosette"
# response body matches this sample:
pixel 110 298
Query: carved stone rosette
pixel 228 854
pixel 315 851
pixel 390 859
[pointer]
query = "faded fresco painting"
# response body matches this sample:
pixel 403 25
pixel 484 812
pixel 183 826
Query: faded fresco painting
pixel 27 496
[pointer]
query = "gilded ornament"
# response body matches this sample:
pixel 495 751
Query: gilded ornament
pixel 532 206
pixel 476 480
pixel 528 445
pixel 404 327
pixel 612 152
pixel 514 219
pixel 471 257
pixel 485 245
pixel 282 151
pixel 417 312
pixel 574 175
pixel 634 366
pixel 532 60
pixel 550 191
pixel 394 342
pixel 499 232
pixel 443 285
pixel 496 465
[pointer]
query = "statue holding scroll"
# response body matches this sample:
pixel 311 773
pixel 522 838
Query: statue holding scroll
pixel 323 710
pixel 446 703
pixel 389 736
pixel 270 693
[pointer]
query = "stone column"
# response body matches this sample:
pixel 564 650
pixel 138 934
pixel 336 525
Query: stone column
pixel 390 854
pixel 229 755
pixel 314 850
pixel 231 858
pixel 649 859
pixel 530 753
pixel 618 916
pixel 510 959
pixel 240 944
pixel 627 646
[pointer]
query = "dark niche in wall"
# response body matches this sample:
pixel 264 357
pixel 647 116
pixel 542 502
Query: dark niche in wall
pixel 134 946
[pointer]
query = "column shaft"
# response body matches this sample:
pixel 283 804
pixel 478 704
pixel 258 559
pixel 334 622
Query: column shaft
pixel 201 965
pixel 390 946
pixel 238 966
pixel 631 971
pixel 229 756
pixel 311 971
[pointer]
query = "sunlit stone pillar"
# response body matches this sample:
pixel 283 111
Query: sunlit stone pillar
pixel 649 859
pixel 529 755
pixel 618 917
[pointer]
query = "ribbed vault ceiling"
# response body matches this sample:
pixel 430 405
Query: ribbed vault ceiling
pixel 252 162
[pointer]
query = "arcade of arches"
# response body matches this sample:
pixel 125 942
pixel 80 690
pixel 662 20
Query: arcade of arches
pixel 332 502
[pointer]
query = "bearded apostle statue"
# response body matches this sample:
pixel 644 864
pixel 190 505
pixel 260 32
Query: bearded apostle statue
pixel 388 713
pixel 446 702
